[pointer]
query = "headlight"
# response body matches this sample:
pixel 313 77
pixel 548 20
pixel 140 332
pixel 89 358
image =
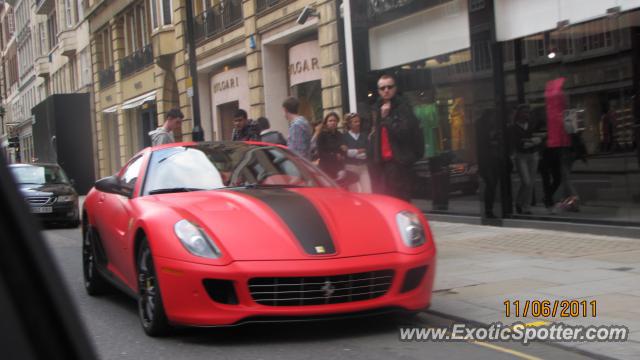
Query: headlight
pixel 65 198
pixel 411 229
pixel 195 240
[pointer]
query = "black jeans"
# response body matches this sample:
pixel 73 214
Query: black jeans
pixel 397 180
pixel 491 179
pixel 551 173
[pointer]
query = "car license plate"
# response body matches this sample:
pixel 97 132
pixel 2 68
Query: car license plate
pixel 459 179
pixel 42 209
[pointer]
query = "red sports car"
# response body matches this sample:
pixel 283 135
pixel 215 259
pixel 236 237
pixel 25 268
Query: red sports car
pixel 213 234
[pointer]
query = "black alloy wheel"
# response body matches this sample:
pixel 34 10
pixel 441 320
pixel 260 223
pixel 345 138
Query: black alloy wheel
pixel 94 283
pixel 150 309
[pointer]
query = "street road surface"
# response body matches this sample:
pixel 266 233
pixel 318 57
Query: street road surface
pixel 113 326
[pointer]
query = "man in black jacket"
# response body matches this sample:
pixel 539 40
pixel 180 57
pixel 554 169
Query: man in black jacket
pixel 397 140
pixel 243 128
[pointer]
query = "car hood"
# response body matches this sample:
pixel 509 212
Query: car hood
pixel 287 224
pixel 29 190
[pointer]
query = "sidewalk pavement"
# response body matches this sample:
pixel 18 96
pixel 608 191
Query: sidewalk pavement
pixel 481 267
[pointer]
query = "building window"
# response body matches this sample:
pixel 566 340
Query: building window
pixel 43 39
pixel 107 54
pixel 52 25
pixel 137 29
pixel 79 10
pixel 72 73
pixel 167 12
pixel 68 12
pixel 154 13
pixel 10 22
pixel 161 12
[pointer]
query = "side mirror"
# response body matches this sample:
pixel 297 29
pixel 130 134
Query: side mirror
pixel 111 185
pixel 347 178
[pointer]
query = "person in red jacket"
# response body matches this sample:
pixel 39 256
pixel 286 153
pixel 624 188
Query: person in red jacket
pixel 558 141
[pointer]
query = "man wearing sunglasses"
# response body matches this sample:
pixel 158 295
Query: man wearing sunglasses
pixel 397 140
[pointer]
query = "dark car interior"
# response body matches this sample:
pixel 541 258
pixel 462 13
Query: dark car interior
pixel 38 318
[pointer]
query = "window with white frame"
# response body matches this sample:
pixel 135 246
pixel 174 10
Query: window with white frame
pixel 154 13
pixel 79 10
pixel 68 13
pixel 167 12
pixel 144 29
pixel 137 29
pixel 161 12
pixel 11 25
pixel 85 67
pixel 106 53
pixel 52 24
pixel 43 39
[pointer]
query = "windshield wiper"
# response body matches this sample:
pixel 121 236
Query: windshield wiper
pixel 173 190
pixel 265 186
pixel 172 154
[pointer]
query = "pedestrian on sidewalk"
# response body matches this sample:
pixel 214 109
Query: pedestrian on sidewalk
pixel 558 140
pixel 397 140
pixel 243 128
pixel 489 158
pixel 164 134
pixel 526 157
pixel 300 131
pixel 267 135
pixel 331 146
pixel 356 161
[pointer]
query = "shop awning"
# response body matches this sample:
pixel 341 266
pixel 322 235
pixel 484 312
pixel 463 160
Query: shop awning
pixel 137 101
pixel 439 30
pixel 519 18
pixel 112 109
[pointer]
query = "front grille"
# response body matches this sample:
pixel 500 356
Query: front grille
pixel 320 290
pixel 40 200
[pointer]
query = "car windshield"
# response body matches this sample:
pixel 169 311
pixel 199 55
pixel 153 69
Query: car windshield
pixel 39 175
pixel 228 165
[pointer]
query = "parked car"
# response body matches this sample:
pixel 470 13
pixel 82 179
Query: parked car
pixel 48 191
pixel 463 176
pixel 223 233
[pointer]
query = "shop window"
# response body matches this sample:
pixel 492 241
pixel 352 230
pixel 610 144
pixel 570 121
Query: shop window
pixel 310 96
pixel 304 79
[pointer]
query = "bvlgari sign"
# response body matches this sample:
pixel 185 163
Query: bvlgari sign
pixel 304 64
pixel 226 84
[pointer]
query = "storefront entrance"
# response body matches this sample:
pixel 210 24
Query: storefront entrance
pixel 149 122
pixel 225 114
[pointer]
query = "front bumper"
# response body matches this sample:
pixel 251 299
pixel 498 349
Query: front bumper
pixel 186 301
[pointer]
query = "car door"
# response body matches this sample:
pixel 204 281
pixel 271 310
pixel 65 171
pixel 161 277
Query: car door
pixel 116 222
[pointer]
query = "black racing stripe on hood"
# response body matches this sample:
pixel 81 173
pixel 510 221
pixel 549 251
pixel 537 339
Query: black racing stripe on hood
pixel 300 215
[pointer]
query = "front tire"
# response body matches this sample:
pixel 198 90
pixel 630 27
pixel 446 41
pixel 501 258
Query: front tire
pixel 94 283
pixel 150 309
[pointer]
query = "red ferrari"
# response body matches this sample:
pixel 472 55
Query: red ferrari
pixel 215 234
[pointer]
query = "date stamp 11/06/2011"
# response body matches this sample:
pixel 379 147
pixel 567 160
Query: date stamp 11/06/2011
pixel 550 308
